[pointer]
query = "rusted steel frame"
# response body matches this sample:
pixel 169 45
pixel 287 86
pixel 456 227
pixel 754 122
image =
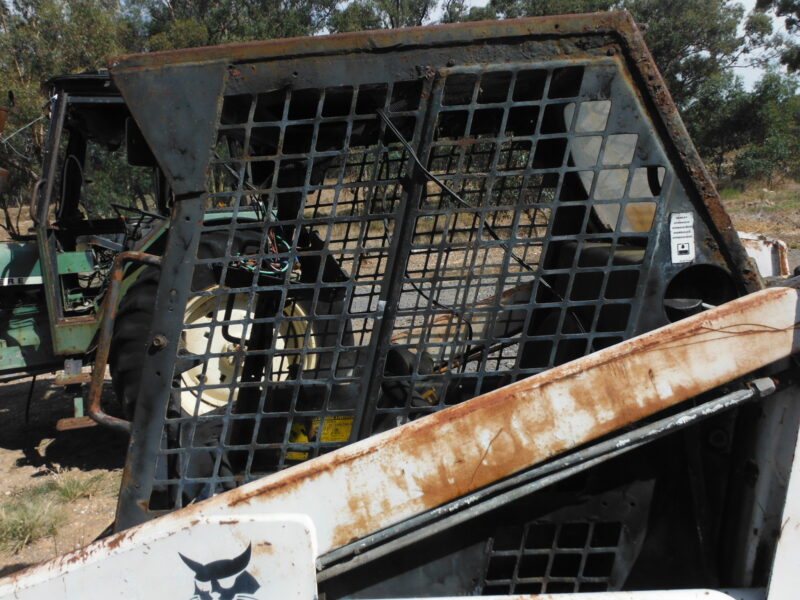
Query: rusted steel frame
pixel 390 477
pixel 683 152
pixel 619 24
pixel 514 488
pixel 110 303
pixel 387 39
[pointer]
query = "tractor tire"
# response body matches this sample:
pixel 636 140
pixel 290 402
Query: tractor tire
pixel 137 308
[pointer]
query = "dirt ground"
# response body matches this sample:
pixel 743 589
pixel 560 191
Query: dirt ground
pixel 33 454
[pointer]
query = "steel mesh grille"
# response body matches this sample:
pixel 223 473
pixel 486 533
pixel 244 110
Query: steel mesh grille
pixel 339 290
pixel 548 557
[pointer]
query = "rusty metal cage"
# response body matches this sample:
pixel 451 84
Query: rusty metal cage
pixel 371 228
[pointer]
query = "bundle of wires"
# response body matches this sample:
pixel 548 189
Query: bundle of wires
pixel 275 264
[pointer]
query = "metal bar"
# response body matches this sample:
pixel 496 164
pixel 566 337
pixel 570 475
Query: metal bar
pixel 412 190
pixel 110 303
pixel 40 200
pixel 96 100
pixel 493 496
pixel 184 233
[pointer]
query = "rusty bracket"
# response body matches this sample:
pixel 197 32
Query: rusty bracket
pixel 71 423
pixel 104 339
pixel 73 379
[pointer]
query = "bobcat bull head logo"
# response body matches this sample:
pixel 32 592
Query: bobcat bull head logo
pixel 223 579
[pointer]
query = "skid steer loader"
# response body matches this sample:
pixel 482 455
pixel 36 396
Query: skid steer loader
pixel 435 312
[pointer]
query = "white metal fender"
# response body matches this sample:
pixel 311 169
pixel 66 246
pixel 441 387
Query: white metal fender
pixel 699 594
pixel 253 557
pixel 784 581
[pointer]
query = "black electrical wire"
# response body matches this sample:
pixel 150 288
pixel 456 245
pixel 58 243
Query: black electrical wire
pixel 385 118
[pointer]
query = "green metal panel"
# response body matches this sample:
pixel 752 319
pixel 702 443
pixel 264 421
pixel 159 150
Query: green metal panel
pixel 25 342
pixel 19 264
pixel 75 262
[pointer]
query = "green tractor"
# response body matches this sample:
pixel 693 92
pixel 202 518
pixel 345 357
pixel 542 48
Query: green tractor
pixel 86 275
pixel 56 276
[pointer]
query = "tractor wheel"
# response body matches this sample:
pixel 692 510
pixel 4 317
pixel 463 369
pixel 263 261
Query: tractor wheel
pixel 134 319
pixel 129 341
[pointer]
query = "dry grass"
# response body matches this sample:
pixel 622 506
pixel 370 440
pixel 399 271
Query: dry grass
pixel 29 516
pixel 72 485
pixel 36 512
pixel 775 213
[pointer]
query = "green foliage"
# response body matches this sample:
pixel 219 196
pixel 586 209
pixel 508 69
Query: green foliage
pixel 109 178
pixel 536 8
pixel 381 14
pixel 774 148
pixel 691 40
pixel 719 119
pixel 790 11
pixel 356 16
pixel 177 23
pixel 182 33
pixel 40 39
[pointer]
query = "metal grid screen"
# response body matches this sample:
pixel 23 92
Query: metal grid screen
pixel 547 557
pixel 375 252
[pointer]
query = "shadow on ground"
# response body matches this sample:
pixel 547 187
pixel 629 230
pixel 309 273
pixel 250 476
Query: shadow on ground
pixel 38 440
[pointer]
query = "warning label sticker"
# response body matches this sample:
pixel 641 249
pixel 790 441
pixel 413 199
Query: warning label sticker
pixel 681 235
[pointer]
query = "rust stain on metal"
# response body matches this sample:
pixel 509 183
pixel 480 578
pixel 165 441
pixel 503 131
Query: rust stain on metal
pixel 71 423
pixel 363 41
pixel 655 86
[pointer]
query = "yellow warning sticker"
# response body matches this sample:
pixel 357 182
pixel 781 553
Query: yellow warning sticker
pixel 336 429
